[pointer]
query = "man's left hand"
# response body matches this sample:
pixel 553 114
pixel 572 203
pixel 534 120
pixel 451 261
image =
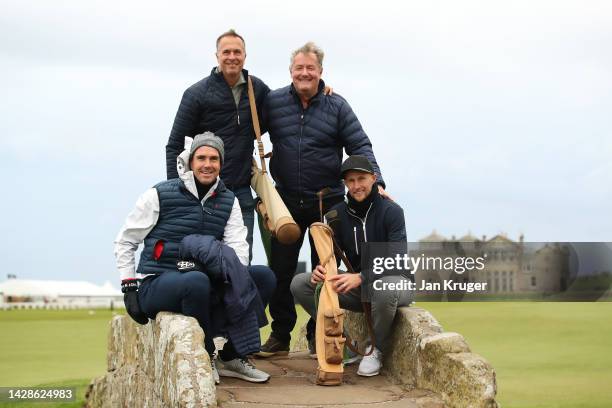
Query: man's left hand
pixel 345 282
pixel 383 193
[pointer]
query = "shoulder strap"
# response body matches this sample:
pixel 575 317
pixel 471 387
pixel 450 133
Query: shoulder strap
pixel 255 119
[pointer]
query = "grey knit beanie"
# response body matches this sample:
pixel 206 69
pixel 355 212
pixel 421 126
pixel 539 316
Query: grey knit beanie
pixel 207 139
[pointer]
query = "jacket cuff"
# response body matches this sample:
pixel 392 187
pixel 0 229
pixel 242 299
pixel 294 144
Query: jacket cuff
pixel 127 273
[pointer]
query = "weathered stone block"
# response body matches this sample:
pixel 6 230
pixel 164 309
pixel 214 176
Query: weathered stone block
pixel 424 356
pixel 462 379
pixel 161 364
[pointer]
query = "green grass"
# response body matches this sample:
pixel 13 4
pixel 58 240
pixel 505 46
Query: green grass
pixel 545 355
pixel 550 355
pixel 52 348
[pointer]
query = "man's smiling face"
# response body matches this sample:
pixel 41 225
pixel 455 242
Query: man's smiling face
pixel 231 55
pixel 305 74
pixel 205 164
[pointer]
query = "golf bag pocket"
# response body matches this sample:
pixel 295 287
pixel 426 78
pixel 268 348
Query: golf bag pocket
pixel 333 323
pixel 334 349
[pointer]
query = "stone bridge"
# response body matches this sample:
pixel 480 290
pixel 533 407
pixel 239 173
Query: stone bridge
pixel 164 364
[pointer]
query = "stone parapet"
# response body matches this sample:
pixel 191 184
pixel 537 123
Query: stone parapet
pixel 425 357
pixel 161 364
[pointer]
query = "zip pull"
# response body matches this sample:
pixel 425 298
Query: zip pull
pixel 355 234
pixel 238 116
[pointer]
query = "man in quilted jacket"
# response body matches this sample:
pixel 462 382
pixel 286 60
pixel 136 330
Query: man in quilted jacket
pixel 196 205
pixel 309 131
pixel 219 103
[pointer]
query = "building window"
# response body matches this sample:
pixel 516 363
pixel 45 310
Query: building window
pixel 533 281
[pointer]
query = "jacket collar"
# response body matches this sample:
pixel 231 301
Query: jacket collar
pixel 375 198
pixel 218 75
pixel 315 98
pixel 188 182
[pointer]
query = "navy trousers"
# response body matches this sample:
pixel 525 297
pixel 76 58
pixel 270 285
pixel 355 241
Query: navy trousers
pixel 192 294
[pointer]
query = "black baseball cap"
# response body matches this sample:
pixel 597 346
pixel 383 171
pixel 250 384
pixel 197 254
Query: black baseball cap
pixel 358 163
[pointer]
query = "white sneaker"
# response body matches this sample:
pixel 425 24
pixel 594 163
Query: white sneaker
pixel 371 365
pixel 215 373
pixel 243 369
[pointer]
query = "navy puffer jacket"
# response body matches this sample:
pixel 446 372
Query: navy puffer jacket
pixel 244 312
pixel 307 143
pixel 209 105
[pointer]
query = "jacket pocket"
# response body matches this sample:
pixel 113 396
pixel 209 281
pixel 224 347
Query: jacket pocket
pixel 334 349
pixel 333 323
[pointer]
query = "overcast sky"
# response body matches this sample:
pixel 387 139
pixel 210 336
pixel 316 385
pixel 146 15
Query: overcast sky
pixel 485 116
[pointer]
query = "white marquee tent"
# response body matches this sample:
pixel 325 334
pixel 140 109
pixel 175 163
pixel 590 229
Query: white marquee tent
pixel 49 292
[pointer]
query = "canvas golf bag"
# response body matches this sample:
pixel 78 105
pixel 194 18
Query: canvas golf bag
pixel 329 337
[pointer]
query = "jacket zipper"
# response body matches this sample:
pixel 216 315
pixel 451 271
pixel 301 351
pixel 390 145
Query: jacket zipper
pixel 363 225
pixel 300 158
pixel 237 107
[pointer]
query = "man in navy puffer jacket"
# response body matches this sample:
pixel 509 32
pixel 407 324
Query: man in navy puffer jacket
pixel 219 103
pixel 308 131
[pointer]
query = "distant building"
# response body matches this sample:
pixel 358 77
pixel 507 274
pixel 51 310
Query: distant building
pixel 509 266
pixel 29 293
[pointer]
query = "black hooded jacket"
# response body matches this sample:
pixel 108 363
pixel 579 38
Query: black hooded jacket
pixel 383 222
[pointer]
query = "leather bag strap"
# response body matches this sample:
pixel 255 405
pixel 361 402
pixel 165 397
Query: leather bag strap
pixel 255 119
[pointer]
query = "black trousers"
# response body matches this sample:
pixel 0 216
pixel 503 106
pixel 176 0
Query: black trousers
pixel 284 264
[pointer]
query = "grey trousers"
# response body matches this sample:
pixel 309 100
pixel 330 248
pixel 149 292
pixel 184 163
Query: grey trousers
pixel 384 304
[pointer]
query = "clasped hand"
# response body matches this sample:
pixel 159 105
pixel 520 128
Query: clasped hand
pixel 341 283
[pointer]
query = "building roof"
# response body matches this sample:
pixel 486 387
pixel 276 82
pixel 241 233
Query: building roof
pixel 468 238
pixel 49 288
pixel 501 238
pixel 433 237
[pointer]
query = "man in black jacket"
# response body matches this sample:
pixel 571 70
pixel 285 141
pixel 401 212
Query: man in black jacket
pixel 364 217
pixel 308 131
pixel 219 103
